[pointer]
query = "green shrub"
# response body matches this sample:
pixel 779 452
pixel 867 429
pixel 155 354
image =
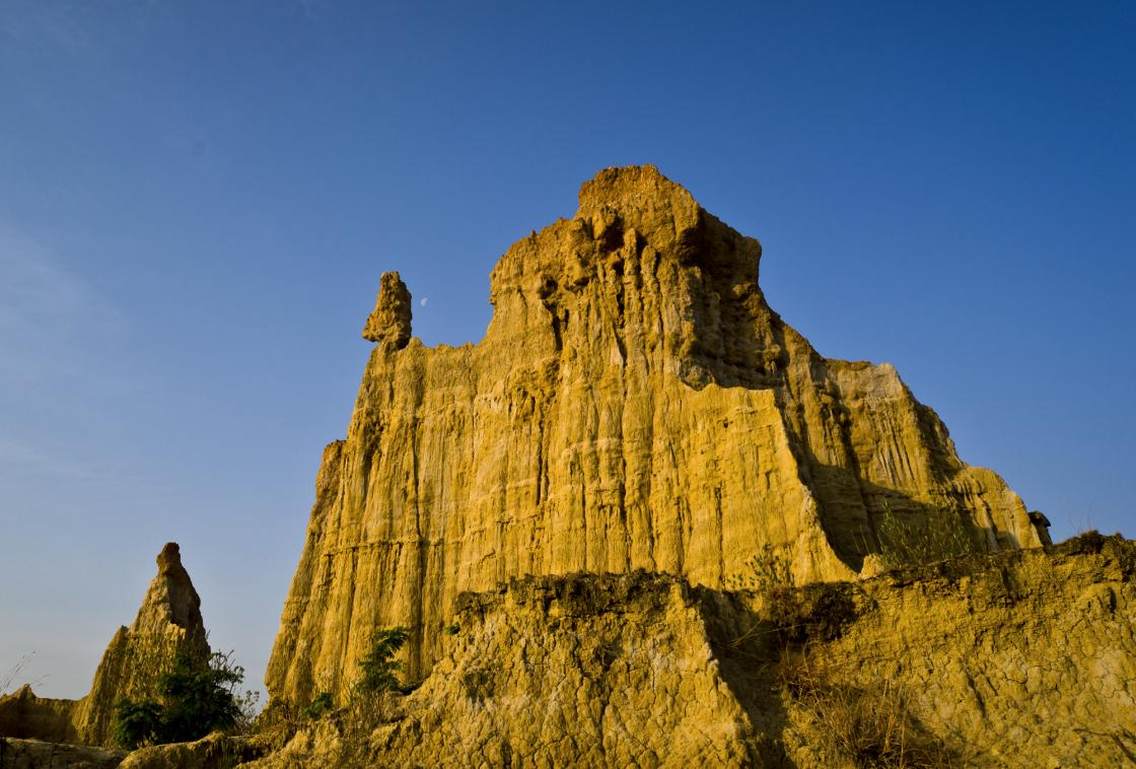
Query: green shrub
pixel 195 699
pixel 200 699
pixel 379 668
pixel 323 703
pixel 136 723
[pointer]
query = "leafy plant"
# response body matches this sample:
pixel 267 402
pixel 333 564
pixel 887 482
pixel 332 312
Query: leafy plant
pixel 136 723
pixel 195 699
pixel 323 703
pixel 379 668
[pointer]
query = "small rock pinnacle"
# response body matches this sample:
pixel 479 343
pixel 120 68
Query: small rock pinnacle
pixel 389 322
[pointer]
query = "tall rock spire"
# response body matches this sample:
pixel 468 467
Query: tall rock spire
pixel 168 624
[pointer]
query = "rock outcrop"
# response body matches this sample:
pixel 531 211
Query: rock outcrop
pixel 1021 660
pixel 1015 660
pixel 215 751
pixel 389 323
pixel 635 404
pixel 168 624
pixel 24 715
pixel 583 671
pixel 36 754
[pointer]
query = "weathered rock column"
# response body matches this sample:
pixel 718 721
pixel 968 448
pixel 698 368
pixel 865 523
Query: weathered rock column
pixel 389 323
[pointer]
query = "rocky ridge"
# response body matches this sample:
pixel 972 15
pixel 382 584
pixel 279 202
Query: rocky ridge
pixel 635 404
pixel 1013 660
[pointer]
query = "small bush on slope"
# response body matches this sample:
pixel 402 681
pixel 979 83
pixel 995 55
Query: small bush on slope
pixel 195 700
pixel 136 723
pixel 321 704
pixel 379 668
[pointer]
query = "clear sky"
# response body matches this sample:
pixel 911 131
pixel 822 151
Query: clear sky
pixel 197 199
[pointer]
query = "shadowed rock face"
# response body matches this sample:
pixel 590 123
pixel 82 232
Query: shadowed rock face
pixel 168 624
pixel 635 404
pixel 24 715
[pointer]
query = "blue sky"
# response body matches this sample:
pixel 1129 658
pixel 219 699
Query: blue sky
pixel 197 199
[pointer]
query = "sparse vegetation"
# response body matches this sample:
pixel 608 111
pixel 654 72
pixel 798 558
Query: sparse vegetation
pixel 478 684
pixel 766 572
pixel 769 574
pixel 322 703
pixel 865 727
pixel 911 540
pixel 194 700
pixel 370 702
pixel 9 677
pixel 872 728
pixel 379 669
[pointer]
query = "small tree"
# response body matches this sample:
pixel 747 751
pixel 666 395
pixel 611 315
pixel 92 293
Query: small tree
pixel 200 699
pixel 196 699
pixel 379 667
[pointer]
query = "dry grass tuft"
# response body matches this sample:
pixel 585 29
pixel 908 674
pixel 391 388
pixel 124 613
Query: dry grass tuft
pixel 868 728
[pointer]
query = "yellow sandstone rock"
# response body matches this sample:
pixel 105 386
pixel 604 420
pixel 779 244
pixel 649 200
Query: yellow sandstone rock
pixel 168 623
pixel 635 404
pixel 1016 660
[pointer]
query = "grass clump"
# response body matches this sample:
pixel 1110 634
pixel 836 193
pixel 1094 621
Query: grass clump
pixel 769 574
pixel 868 727
pixel 913 540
